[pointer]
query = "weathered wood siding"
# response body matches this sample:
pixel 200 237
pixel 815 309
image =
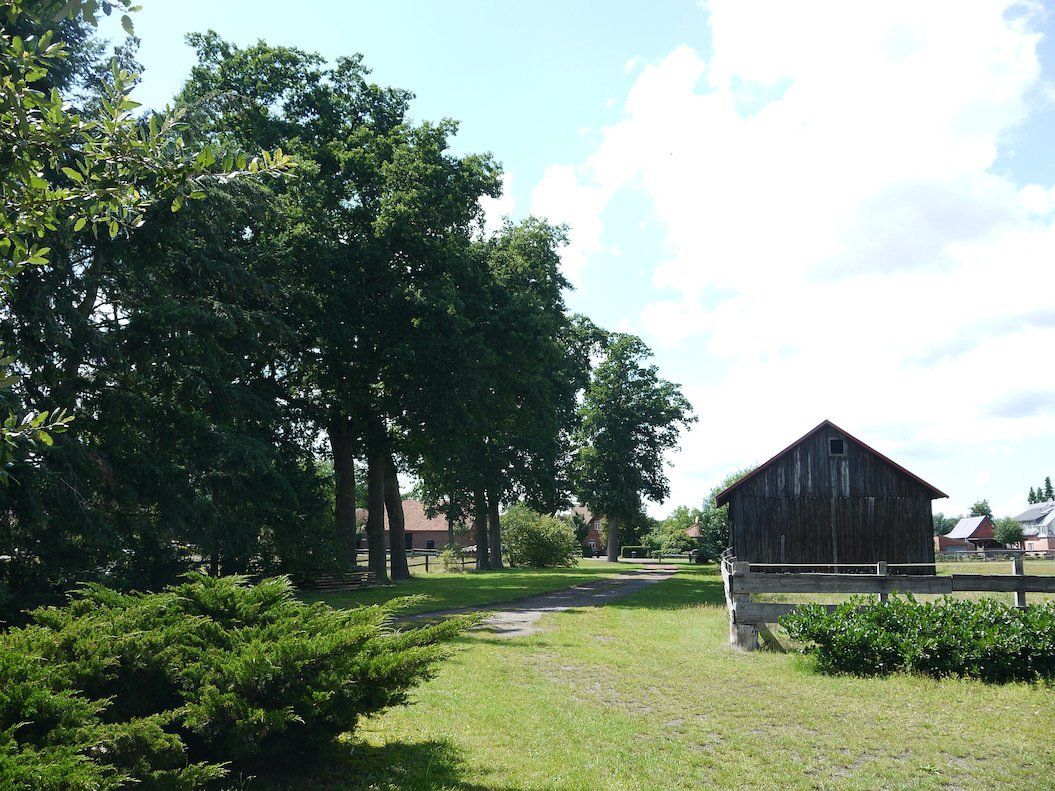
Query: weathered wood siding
pixel 808 506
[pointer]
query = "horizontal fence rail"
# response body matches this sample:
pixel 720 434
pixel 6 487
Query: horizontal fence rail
pixel 747 616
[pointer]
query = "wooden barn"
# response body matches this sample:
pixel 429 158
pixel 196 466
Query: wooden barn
pixel 830 499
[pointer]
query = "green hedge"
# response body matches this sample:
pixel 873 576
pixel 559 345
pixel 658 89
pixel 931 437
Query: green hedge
pixel 631 551
pixel 538 540
pixel 978 639
pixel 178 689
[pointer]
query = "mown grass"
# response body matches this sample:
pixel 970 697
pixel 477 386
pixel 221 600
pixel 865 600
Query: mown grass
pixel 445 591
pixel 645 693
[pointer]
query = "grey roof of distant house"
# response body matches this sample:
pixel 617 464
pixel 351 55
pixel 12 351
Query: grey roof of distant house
pixel 965 527
pixel 1035 511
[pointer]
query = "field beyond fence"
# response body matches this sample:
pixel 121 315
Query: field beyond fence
pixel 741 580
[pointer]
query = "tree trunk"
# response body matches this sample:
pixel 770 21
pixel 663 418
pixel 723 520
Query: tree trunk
pixel 483 561
pixel 342 447
pixel 613 540
pixel 450 520
pixel 397 545
pixel 375 517
pixel 494 530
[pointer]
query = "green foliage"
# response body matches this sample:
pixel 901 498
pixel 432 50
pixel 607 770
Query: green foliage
pixel 981 508
pixel 580 526
pixel 515 364
pixel 70 174
pixel 452 558
pixel 1008 531
pixel 538 540
pixel 714 519
pixel 943 524
pixel 669 535
pixel 174 689
pixel 630 418
pixel 982 639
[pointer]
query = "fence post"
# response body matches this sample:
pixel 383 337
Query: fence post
pixel 742 636
pixel 1017 568
pixel 426 563
pixel 882 572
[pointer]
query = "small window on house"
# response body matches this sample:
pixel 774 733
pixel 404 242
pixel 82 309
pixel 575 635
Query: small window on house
pixel 836 446
pixel 430 544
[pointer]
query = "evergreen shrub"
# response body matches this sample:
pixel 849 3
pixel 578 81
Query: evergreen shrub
pixel 178 689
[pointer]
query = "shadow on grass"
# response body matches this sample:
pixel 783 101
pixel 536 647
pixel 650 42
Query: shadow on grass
pixel 434 764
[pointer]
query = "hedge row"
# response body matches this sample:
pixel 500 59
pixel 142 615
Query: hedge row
pixel 983 639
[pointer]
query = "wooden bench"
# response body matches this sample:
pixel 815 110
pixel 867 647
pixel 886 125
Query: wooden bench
pixel 352 580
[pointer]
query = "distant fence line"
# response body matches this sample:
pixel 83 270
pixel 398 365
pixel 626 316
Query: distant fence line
pixel 996 554
pixel 746 616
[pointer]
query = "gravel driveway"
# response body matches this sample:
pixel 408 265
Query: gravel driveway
pixel 520 618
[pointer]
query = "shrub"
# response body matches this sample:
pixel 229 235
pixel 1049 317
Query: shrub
pixel 174 689
pixel 634 551
pixel 452 558
pixel 1009 532
pixel 533 539
pixel 978 639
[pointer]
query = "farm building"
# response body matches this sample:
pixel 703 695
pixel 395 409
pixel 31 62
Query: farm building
pixel 422 531
pixel 592 542
pixel 830 499
pixel 944 545
pixel 978 532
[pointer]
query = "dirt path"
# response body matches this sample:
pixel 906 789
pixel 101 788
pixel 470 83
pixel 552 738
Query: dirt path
pixel 520 618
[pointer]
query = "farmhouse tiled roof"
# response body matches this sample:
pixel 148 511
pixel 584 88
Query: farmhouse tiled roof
pixel 414 517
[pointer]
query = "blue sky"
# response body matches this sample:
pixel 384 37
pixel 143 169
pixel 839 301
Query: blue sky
pixel 809 210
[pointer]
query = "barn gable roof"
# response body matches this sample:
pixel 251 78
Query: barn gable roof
pixel 969 526
pixel 723 496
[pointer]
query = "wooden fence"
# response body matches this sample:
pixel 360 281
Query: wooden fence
pixel 423 559
pixel 423 556
pixel 747 616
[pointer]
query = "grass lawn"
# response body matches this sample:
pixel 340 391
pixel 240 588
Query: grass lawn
pixel 645 693
pixel 473 588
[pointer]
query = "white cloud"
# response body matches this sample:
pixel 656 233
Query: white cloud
pixel 496 210
pixel 837 241
pixel 562 198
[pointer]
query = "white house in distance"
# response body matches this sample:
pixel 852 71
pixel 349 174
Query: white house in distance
pixel 1038 527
